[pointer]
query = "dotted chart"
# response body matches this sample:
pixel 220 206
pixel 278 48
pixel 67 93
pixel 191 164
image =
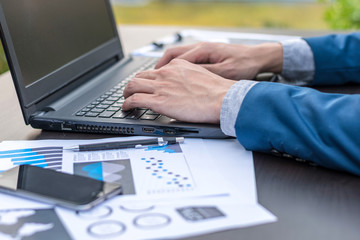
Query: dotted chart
pixel 167 175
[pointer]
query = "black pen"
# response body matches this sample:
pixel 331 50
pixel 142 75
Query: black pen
pixel 127 144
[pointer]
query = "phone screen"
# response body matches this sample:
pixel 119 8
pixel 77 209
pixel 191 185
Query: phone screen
pixel 58 186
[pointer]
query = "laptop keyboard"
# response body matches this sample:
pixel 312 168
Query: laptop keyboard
pixel 109 104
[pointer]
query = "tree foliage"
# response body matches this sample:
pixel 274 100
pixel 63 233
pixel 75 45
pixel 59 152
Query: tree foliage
pixel 3 64
pixel 343 14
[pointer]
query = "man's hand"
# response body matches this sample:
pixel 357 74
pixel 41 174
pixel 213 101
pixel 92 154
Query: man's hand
pixel 231 61
pixel 180 90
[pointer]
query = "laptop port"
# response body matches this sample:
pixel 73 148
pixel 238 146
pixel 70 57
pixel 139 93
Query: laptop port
pixel 66 126
pixel 170 131
pixel 183 131
pixel 148 129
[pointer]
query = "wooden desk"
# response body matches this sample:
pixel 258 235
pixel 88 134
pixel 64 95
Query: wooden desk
pixel 310 202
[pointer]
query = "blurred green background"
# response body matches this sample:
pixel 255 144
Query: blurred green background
pixel 284 14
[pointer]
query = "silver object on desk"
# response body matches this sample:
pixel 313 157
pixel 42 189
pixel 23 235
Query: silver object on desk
pixel 127 144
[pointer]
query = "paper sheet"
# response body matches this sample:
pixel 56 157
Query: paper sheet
pixel 221 194
pixel 172 171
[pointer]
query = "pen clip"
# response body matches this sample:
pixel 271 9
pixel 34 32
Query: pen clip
pixel 151 145
pixel 161 142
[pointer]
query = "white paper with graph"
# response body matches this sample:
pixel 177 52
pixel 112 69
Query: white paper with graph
pixel 169 192
pixel 154 172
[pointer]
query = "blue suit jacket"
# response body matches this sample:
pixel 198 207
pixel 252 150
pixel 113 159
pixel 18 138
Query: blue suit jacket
pixel 306 123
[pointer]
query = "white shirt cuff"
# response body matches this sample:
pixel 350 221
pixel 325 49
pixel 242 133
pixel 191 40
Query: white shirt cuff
pixel 298 62
pixel 231 105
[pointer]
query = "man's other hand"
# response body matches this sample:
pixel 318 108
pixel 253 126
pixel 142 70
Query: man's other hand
pixel 231 61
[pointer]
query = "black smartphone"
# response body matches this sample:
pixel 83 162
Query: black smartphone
pixel 62 189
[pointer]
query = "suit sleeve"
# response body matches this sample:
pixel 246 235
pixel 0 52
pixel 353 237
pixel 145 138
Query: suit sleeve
pixel 303 122
pixel 337 58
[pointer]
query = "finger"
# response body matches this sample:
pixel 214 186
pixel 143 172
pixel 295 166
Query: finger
pixel 172 53
pixel 196 55
pixel 139 85
pixel 139 100
pixel 149 74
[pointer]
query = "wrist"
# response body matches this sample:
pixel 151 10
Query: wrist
pixel 270 57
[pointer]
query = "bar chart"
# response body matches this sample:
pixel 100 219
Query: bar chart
pixel 45 157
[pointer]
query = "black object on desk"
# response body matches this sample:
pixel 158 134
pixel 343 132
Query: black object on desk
pixel 127 144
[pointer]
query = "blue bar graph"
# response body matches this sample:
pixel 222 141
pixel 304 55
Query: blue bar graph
pixel 46 157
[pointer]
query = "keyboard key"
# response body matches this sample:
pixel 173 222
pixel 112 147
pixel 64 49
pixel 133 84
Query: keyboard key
pixel 80 114
pixel 117 104
pixel 98 110
pixel 113 98
pixel 149 117
pixel 103 106
pixel 136 114
pixel 151 112
pixel 91 114
pixel 114 109
pixel 106 102
pixel 121 114
pixel 95 102
pixel 85 109
pixel 104 96
pixel 90 106
pixel 106 114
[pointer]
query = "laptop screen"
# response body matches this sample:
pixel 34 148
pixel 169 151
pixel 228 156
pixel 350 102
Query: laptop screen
pixel 47 35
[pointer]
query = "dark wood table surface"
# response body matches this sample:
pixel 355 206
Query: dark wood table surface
pixel 310 202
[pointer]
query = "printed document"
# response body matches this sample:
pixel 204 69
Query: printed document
pixel 172 191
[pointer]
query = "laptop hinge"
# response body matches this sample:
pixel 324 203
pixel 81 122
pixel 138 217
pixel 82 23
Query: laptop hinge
pixel 37 114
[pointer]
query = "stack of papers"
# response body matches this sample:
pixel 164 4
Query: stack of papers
pixel 190 36
pixel 173 191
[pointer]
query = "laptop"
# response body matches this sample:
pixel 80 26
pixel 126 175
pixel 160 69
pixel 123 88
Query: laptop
pixel 69 70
